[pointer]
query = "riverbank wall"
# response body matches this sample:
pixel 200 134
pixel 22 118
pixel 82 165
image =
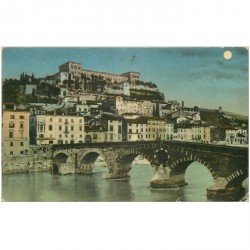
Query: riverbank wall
pixel 26 165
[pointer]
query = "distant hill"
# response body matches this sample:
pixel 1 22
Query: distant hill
pixel 222 119
pixel 232 115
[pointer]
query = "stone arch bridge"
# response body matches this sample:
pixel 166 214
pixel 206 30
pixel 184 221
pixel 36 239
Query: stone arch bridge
pixel 228 165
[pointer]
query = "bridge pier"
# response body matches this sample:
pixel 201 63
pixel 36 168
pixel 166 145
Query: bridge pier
pixel 117 176
pixel 84 169
pixel 220 191
pixel 163 178
pixel 65 168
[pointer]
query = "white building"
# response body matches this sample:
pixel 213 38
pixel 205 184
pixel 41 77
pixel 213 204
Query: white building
pixel 123 106
pixel 169 131
pixel 184 133
pixel 237 136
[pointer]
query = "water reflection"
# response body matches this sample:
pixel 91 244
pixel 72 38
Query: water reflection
pixel 43 186
pixel 117 189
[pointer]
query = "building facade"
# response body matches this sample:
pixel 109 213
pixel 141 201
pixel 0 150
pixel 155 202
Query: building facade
pixel 76 70
pixel 15 134
pixel 237 136
pixel 145 128
pixel 115 130
pixel 126 105
pixel 56 129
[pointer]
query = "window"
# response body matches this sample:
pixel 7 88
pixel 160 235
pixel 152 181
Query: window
pixel 80 120
pixel 60 119
pixel 11 143
pixel 21 152
pixel 111 127
pixel 72 120
pixel 10 134
pixel 60 128
pixel 80 128
pixel 50 127
pixel 72 136
pixel 72 128
pixel 41 136
pixel 11 125
pixel 11 153
pixel 21 125
pixel 21 144
pixel 130 130
pixel 111 137
pixel 50 142
pixel 21 117
pixel 12 117
pixel 119 129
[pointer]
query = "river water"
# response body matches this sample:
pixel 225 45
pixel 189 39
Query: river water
pixel 44 186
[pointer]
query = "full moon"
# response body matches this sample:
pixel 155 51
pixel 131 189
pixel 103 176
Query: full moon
pixel 227 55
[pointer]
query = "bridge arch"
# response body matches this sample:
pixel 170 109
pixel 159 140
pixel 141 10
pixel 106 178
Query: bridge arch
pixel 236 178
pixel 180 166
pixel 87 158
pixel 128 156
pixel 58 159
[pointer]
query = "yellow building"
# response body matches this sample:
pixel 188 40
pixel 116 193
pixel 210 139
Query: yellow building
pixel 15 133
pixel 145 128
pixel 56 129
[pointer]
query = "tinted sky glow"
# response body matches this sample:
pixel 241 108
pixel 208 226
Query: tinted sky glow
pixel 198 76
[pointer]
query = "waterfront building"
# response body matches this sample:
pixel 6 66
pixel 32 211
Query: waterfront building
pixel 56 129
pixel 115 130
pixel 95 133
pixel 169 130
pixel 184 132
pixel 15 134
pixel 194 133
pixel 237 136
pixel 141 128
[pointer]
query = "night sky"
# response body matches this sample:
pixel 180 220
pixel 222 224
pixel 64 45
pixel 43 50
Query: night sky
pixel 198 76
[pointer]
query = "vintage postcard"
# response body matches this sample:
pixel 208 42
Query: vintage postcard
pixel 125 124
